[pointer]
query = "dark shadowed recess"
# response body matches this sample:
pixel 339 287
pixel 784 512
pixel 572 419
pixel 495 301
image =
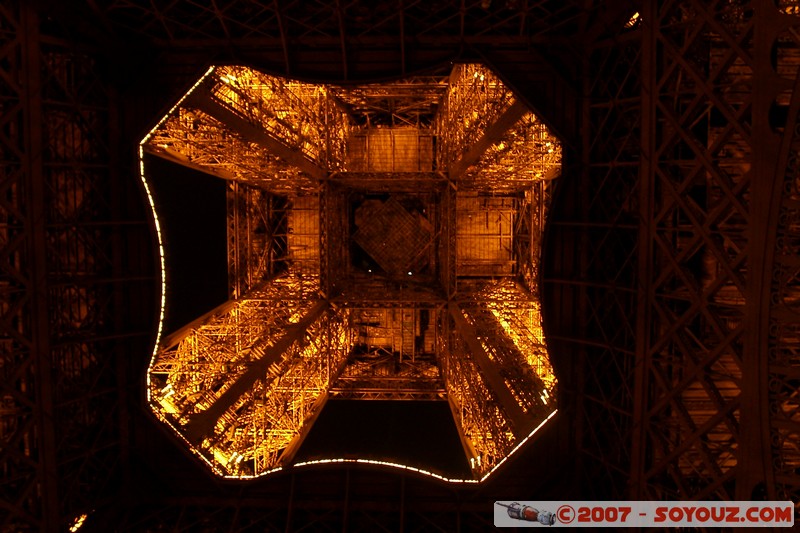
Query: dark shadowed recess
pixel 191 210
pixel 421 434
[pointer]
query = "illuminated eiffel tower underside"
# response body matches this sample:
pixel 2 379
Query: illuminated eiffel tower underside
pixel 383 244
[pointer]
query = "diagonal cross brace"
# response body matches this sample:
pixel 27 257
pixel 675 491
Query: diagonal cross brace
pixel 202 424
pixel 519 421
pixel 287 456
pixel 203 100
pixel 494 133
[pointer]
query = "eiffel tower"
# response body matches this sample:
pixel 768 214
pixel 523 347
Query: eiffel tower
pixel 383 244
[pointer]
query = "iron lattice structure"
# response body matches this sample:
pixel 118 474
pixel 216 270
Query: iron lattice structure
pixel 668 285
pixel 244 384
pixel 690 134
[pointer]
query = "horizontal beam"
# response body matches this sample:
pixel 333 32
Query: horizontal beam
pixel 202 424
pixel 313 43
pixel 519 420
pixel 180 159
pixel 203 100
pixel 370 394
pixel 391 182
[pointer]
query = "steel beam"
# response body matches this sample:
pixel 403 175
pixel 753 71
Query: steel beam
pixel 391 182
pixel 180 159
pixel 203 100
pixel 645 273
pixel 493 134
pixel 754 465
pixel 783 364
pixel 201 424
pixel 519 421
pixel 48 475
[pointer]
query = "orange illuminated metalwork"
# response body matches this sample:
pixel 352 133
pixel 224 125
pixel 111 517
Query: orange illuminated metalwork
pixel 438 302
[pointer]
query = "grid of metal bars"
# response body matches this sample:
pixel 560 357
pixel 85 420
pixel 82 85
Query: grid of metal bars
pixel 603 284
pixel 212 408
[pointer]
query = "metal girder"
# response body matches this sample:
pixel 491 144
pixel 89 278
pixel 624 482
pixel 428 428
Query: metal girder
pixel 695 417
pixel 262 357
pixel 527 152
pixel 447 241
pixel 755 465
pixel 257 237
pixel 528 232
pixel 334 239
pixel 391 182
pixel 780 367
pixel 191 138
pixel 715 169
pixel 519 422
pixel 474 98
pixel 31 499
pixel 363 291
pixel 283 27
pixel 288 454
pixel 180 159
pixel 204 100
pixel 493 133
pixel 244 383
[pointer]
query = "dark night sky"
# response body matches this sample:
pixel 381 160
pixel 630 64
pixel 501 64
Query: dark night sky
pixel 415 433
pixel 191 210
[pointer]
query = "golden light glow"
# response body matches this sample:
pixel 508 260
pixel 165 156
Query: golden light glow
pixel 290 140
pixel 78 522
pixel 633 21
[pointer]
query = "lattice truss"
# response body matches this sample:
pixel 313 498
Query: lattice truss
pixel 412 103
pixel 721 133
pixel 526 152
pixel 63 336
pixel 300 115
pixel 474 98
pixel 486 432
pixel 243 384
pixel 194 138
pixel 319 22
pixel 701 202
pixel 528 229
pixel 784 323
pixel 392 361
pixel 257 236
pixel 252 434
pixel 504 332
pixel 509 306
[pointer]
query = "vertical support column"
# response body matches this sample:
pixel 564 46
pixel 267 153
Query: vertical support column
pixel 237 266
pixel 447 241
pixel 37 256
pixel 324 240
pixel 754 462
pixel 647 172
